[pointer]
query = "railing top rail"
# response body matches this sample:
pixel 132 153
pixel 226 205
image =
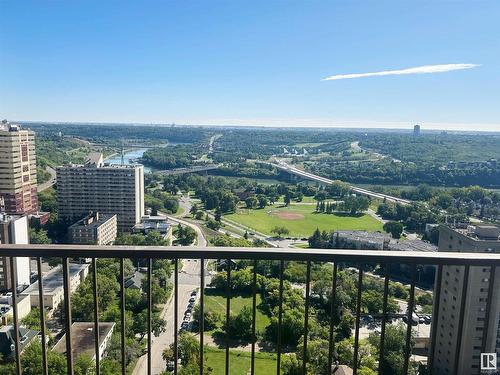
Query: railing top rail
pixel 192 252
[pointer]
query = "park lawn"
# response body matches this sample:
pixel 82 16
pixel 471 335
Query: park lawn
pixel 216 301
pixel 305 199
pixel 304 223
pixel 239 362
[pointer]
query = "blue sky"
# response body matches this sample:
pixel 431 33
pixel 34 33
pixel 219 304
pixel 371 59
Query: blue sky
pixel 251 62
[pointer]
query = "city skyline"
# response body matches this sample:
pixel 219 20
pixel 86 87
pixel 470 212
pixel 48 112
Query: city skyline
pixel 395 64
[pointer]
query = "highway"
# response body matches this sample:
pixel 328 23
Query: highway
pixel 194 169
pixel 298 172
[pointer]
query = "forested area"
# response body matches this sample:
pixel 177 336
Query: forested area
pixel 114 133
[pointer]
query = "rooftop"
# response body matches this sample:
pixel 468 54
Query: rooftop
pixel 480 232
pixel 8 127
pixel 93 220
pixel 82 338
pixel 53 280
pixel 94 159
pixel 7 339
pixel 6 218
pixel 411 245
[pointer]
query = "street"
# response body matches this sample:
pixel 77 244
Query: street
pixel 189 280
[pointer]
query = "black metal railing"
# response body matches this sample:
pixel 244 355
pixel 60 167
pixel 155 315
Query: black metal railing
pixel 335 257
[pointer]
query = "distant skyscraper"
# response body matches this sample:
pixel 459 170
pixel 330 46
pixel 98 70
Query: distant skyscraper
pixel 480 330
pixel 14 230
pixel 107 189
pixel 18 186
pixel 416 130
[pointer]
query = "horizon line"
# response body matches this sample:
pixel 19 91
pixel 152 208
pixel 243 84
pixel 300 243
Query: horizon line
pixel 380 125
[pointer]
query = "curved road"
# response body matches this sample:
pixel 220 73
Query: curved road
pixel 189 280
pixel 50 182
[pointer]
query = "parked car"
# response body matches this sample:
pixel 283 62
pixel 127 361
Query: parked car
pixel 192 299
pixel 194 293
pixel 170 365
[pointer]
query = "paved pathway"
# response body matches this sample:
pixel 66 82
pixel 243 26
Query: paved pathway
pixel 50 182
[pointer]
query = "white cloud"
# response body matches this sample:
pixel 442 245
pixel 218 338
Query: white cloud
pixel 425 69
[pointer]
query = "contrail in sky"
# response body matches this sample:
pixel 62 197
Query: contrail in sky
pixel 425 69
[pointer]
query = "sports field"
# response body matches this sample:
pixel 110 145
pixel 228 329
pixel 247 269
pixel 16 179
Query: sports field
pixel 301 220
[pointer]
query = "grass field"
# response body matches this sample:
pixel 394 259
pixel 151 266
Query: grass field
pixel 216 301
pixel 301 220
pixel 239 362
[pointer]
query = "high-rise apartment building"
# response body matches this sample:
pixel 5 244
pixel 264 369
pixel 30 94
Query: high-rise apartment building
pixel 416 130
pixel 98 187
pixel 18 188
pixel 478 332
pixel 14 230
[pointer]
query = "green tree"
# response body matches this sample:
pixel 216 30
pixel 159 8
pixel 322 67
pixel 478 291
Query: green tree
pixel 240 326
pixel 251 202
pixel 39 236
pixel 263 202
pixel 194 210
pixel 395 228
pixel 280 231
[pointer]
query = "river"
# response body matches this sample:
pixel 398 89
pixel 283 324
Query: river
pixel 129 157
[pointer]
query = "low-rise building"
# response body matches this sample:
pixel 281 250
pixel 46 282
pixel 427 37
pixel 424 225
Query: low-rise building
pixel 7 343
pixel 53 292
pixel 82 337
pixel 6 312
pixel 361 240
pixel 411 245
pixel 94 229
pixel 135 282
pixel 154 223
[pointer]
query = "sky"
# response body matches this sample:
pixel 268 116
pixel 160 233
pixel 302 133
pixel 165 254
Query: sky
pixel 332 63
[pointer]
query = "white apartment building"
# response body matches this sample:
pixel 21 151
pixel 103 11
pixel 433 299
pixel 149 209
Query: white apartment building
pixel 98 187
pixel 14 230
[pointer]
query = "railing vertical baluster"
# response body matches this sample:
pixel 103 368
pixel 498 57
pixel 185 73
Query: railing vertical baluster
pixel 122 314
pixel 332 313
pixel 150 314
pixel 228 312
pixel 384 318
pixel 435 316
pixel 254 309
pixel 202 312
pixel 489 301
pixel 176 314
pixel 41 305
pixel 280 319
pixel 96 318
pixel 306 318
pixel 13 281
pixel 68 319
pixel 358 313
pixel 465 285
pixel 411 305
